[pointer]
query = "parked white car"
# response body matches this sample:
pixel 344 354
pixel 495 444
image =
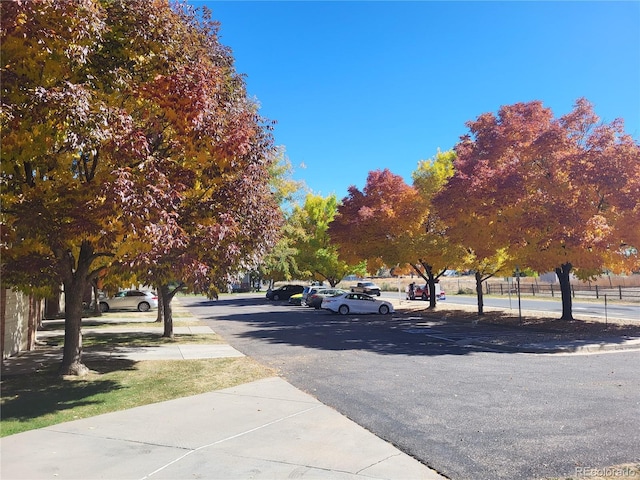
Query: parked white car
pixel 141 300
pixel 356 303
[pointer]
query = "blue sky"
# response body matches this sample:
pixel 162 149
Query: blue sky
pixel 360 86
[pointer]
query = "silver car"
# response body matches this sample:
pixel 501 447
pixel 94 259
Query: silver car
pixel 141 300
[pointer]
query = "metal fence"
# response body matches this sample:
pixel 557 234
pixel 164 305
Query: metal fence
pixel 631 294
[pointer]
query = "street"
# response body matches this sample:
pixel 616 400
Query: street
pixel 467 412
pixel 613 309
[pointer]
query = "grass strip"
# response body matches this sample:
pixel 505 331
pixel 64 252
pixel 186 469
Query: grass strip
pixel 100 340
pixel 43 398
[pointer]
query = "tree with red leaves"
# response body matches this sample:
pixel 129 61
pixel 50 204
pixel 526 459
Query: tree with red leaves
pixel 549 194
pixel 210 142
pixel 376 224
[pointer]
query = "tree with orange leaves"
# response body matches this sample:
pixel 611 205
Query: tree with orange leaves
pixel 128 138
pixel 376 224
pixel 388 223
pixel 550 194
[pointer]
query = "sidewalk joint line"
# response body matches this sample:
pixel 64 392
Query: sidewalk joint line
pixel 229 438
pixel 378 462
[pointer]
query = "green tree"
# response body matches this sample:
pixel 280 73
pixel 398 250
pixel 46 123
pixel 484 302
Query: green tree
pixel 317 257
pixel 280 262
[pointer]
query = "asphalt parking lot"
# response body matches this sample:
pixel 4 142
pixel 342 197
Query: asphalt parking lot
pixel 462 407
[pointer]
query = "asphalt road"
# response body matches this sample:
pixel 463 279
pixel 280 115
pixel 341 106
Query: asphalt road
pixel 467 413
pixel 613 309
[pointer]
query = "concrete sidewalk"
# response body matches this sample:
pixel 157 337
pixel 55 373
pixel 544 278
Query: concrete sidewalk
pixel 261 430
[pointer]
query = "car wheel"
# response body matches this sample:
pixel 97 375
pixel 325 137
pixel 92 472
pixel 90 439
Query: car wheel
pixel 104 307
pixel 343 310
pixel 144 307
pixel 424 297
pixel 276 297
pixel 384 310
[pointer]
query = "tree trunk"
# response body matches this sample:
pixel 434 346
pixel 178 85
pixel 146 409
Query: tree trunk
pixel 479 293
pixel 76 281
pixel 430 278
pixel 431 282
pixel 3 313
pixel 166 296
pixel 72 353
pixel 563 272
pixel 97 311
pixel 160 316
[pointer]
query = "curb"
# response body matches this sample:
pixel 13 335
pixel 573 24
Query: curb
pixel 630 345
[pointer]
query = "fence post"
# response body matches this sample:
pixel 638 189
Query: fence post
pixel 551 286
pixel 597 296
pixel 533 290
pixel 620 291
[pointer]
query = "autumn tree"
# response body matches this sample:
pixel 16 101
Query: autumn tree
pixel 469 232
pixel 86 177
pixel 430 246
pixel 380 223
pixel 206 137
pixel 59 134
pixel 551 194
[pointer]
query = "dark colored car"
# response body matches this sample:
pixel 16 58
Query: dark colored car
pixel 284 292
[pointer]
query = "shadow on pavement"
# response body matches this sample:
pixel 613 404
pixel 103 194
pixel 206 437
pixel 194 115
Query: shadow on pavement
pixel 411 332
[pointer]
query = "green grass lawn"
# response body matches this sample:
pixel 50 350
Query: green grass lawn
pixel 43 398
